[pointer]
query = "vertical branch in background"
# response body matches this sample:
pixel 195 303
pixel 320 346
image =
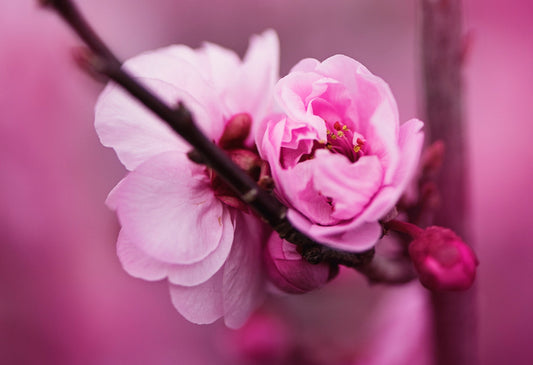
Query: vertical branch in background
pixel 454 313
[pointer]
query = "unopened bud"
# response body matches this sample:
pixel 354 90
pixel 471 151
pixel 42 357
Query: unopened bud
pixel 443 261
pixel 236 131
pixel 248 161
pixel 289 272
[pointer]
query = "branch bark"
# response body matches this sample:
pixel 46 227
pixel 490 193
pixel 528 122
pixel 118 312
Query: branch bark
pixel 454 314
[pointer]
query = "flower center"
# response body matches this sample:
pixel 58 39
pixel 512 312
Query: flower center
pixel 341 140
pixel 233 143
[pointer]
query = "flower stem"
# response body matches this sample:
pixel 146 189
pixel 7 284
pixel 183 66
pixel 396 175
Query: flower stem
pixel 404 227
pixel 100 60
pixel 442 54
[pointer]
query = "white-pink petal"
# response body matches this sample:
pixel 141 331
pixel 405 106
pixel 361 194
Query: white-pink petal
pixel 243 280
pixel 252 90
pixel 200 304
pixel 136 133
pixel 411 142
pixel 169 210
pixel 137 263
pixel 141 265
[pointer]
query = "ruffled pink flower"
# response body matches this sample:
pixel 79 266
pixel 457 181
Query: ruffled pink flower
pixel 173 224
pixel 338 155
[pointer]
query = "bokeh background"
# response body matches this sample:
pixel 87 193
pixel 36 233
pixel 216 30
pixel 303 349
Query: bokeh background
pixel 64 298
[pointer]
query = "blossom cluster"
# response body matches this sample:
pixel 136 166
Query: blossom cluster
pixel 326 139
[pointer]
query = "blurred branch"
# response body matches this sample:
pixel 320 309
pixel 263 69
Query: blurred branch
pixel 442 56
pixel 100 60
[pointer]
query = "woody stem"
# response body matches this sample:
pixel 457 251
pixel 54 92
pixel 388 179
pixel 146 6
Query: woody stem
pixel 454 313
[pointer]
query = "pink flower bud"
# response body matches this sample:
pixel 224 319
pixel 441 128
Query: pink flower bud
pixel 443 260
pixel 236 131
pixel 250 163
pixel 289 272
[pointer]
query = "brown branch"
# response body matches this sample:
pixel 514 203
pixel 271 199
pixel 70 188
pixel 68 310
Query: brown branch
pixel 101 60
pixel 442 49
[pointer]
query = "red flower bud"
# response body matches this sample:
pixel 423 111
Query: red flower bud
pixel 289 272
pixel 443 260
pixel 236 131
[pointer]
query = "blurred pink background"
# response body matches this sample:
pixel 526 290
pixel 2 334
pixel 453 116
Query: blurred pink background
pixel 64 298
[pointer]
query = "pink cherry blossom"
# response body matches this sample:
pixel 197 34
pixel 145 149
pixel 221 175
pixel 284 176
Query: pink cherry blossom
pixel 337 153
pixel 174 226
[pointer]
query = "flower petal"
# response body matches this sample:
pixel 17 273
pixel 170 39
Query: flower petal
pixel 177 65
pixel 298 188
pixel 411 141
pixel 351 186
pixel 167 208
pixel 295 92
pixel 349 237
pixel 252 88
pixel 136 133
pixel 198 272
pixel 200 304
pixel 244 281
pixel 141 265
pixel 137 263
pixel 305 65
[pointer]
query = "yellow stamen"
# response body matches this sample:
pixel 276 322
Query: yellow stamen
pixel 356 148
pixel 340 134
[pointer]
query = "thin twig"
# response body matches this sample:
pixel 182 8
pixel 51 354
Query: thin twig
pixel 442 48
pixel 101 60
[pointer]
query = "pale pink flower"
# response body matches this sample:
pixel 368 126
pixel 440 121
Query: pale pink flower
pixel 338 155
pixel 173 225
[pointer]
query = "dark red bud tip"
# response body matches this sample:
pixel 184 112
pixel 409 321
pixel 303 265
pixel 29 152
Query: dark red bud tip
pixel 289 272
pixel 443 261
pixel 236 131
